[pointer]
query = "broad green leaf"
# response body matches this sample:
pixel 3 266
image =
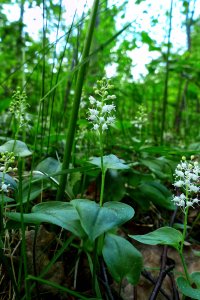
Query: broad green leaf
pixel 123 211
pixel 180 226
pixel 5 199
pixel 158 194
pixel 167 151
pixel 74 184
pixel 156 166
pixel 29 193
pixel 194 146
pixel 122 259
pixel 40 180
pixel 109 162
pixel 162 236
pixel 96 220
pixel 49 165
pixel 58 213
pixel 186 289
pixel 195 277
pixel 134 178
pixel 114 186
pixel 137 196
pixel 19 148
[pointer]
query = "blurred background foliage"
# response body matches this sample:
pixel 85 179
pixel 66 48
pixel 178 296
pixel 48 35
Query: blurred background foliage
pixel 46 68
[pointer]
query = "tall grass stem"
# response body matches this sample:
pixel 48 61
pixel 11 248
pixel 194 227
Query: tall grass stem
pixel 75 108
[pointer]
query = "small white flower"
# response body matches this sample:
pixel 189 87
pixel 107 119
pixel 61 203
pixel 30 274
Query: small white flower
pixel 189 203
pixel 92 118
pixel 181 203
pixel 189 175
pixel 183 165
pixel 176 199
pixel 96 127
pixel 179 173
pixel 105 108
pixel 187 182
pixel 101 119
pixel 93 111
pixel 4 187
pixel 92 100
pixel 108 108
pixel 182 196
pixel 193 188
pixel 110 120
pixel 98 104
pixel 179 183
pixel 83 104
pixel 104 127
pixel 194 177
pixel 196 200
pixel 196 169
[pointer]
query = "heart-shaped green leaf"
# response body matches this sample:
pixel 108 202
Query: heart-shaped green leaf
pixel 158 194
pixel 59 213
pixel 123 211
pixel 109 162
pixel 122 259
pixel 96 220
pixel 195 277
pixel 19 148
pixel 186 288
pixel 49 165
pixel 162 236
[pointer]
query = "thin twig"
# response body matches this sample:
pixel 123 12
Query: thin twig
pixel 135 293
pixel 174 288
pixel 163 269
pixel 149 277
pixel 105 282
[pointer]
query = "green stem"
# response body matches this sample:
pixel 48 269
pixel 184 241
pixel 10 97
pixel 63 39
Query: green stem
pixel 184 267
pixel 76 103
pixel 23 229
pixel 2 208
pixel 184 228
pixel 103 171
pixel 182 244
pixel 103 175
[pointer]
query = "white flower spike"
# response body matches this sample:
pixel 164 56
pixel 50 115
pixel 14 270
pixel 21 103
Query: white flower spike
pixel 101 113
pixel 187 175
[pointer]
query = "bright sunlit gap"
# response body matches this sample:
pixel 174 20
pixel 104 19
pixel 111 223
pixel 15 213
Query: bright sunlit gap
pixel 149 16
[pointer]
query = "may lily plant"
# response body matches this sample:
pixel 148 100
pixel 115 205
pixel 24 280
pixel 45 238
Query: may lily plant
pixel 186 183
pixel 94 224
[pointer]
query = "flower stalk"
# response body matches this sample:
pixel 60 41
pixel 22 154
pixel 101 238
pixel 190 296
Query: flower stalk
pixel 186 179
pixel 101 116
